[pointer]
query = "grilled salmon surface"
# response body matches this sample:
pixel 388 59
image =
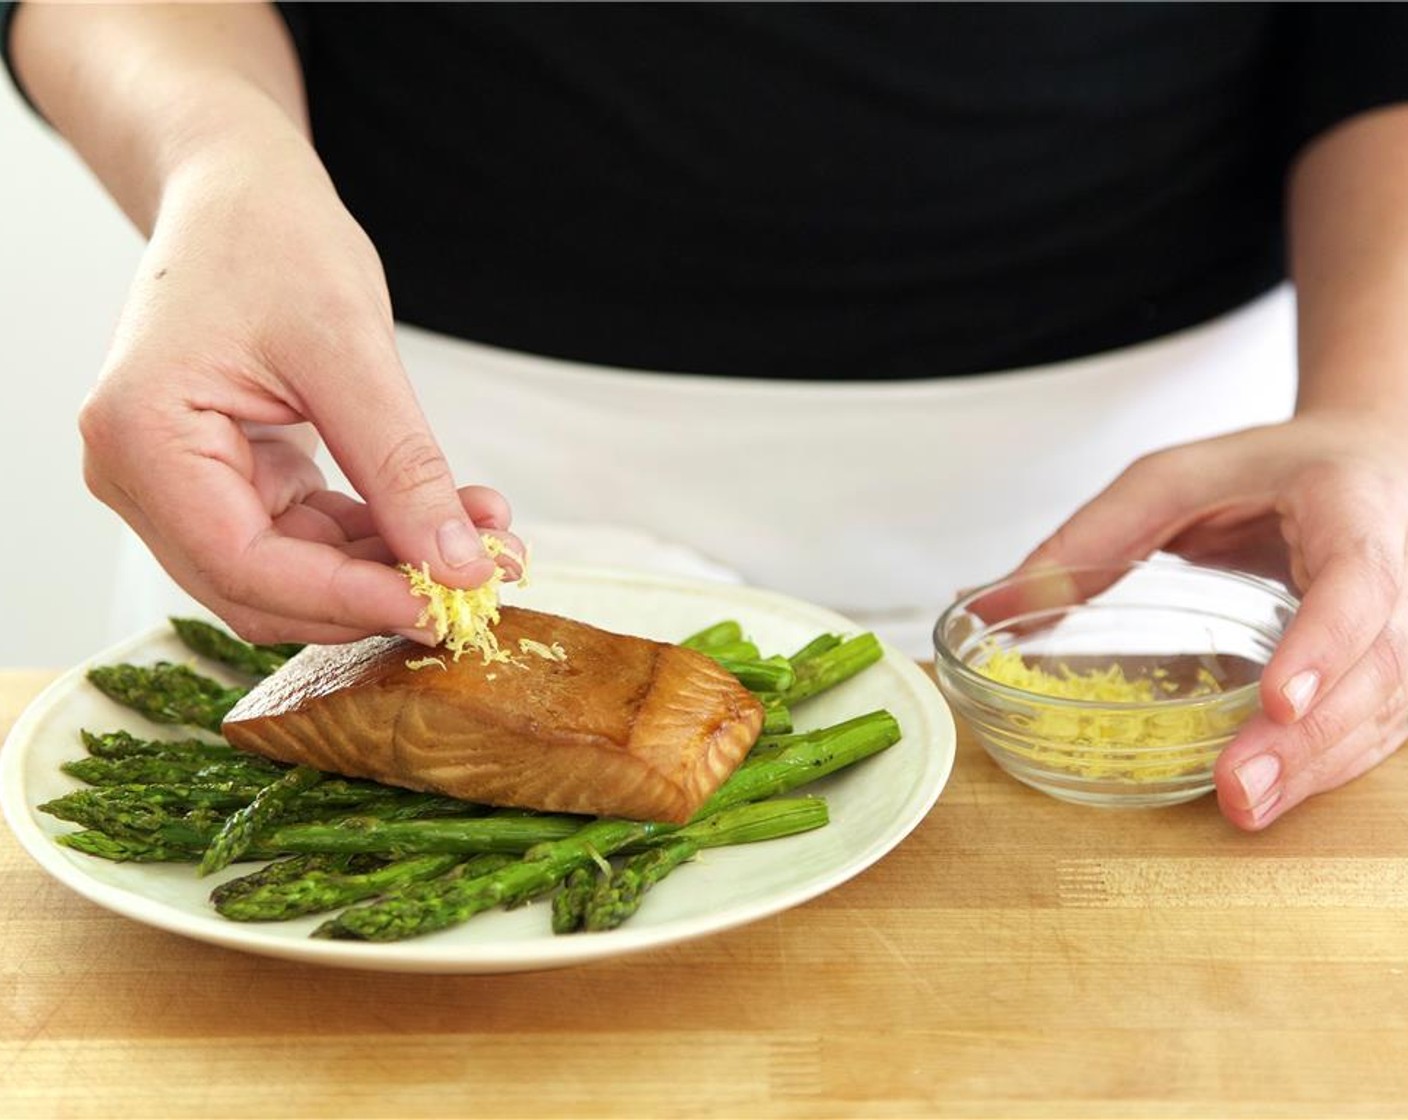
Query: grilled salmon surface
pixel 619 726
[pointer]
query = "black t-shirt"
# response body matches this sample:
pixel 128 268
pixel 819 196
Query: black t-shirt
pixel 829 191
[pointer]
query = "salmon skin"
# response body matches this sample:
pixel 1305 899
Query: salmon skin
pixel 620 726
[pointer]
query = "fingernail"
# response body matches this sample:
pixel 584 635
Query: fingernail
pixel 459 544
pixel 1258 777
pixel 424 637
pixel 1267 809
pixel 1300 690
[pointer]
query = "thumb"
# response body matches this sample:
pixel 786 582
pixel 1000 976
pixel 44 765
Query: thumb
pixel 377 432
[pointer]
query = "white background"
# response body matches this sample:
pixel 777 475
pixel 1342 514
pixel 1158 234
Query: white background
pixel 67 255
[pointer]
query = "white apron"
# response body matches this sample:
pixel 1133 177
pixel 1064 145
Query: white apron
pixel 879 500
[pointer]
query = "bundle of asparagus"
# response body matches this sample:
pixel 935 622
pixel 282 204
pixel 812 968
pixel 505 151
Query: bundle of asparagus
pixel 426 861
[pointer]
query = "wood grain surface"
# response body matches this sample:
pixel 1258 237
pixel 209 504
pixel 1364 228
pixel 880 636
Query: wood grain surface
pixel 1015 956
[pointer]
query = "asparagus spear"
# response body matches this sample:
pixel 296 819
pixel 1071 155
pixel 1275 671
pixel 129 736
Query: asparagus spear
pixel 777 717
pixel 121 849
pixel 742 650
pixel 768 674
pixel 397 822
pixel 218 645
pixel 812 757
pixel 818 645
pixel 122 817
pixel 123 744
pixel 569 905
pixel 719 634
pixel 768 745
pixel 92 807
pixel 615 899
pixel 317 891
pixel 825 668
pixel 243 825
pixel 138 823
pixel 95 807
pixel 511 833
pixel 167 693
pixel 289 869
pixel 156 770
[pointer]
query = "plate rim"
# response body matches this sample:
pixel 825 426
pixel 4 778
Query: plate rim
pixel 932 778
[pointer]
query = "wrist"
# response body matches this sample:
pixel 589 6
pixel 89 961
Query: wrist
pixel 1348 227
pixel 142 90
pixel 229 145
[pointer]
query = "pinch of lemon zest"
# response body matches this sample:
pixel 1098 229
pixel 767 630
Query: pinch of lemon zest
pixel 599 860
pixel 553 652
pixel 426 663
pixel 462 619
pixel 1143 744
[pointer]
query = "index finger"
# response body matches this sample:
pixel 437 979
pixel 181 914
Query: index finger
pixel 1347 606
pixel 240 556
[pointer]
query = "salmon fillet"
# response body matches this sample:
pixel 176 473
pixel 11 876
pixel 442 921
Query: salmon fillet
pixel 622 726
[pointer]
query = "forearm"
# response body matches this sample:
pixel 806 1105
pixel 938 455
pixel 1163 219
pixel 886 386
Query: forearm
pixel 145 92
pixel 1348 230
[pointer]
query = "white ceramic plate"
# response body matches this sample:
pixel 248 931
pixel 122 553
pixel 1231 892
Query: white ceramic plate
pixel 873 806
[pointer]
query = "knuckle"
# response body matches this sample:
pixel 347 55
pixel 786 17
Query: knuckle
pixel 1320 729
pixel 247 624
pixel 230 588
pixel 1149 463
pixel 1391 657
pixel 413 465
pixel 1173 472
pixel 347 329
pixel 1341 632
pixel 1320 478
pixel 100 423
pixel 106 435
pixel 93 425
pixel 97 481
pixel 262 631
pixel 1383 567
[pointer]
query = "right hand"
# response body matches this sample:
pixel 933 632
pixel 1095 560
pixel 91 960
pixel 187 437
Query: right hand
pixel 259 319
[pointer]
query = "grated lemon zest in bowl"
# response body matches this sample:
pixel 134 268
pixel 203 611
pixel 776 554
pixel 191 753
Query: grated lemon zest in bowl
pixel 463 619
pixel 1007 666
pixel 1098 744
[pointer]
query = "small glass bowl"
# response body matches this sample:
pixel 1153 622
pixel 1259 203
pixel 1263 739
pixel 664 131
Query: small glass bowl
pixel 1157 663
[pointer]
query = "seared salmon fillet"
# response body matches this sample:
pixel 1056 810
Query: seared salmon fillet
pixel 620 726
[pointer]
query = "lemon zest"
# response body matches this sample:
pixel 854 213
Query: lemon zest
pixel 463 619
pixel 426 663
pixel 553 652
pixel 1107 686
pixel 1149 742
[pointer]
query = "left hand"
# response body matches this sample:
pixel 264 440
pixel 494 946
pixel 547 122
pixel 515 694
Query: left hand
pixel 1320 502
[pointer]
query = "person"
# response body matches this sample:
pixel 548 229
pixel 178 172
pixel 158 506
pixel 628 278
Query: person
pixel 848 297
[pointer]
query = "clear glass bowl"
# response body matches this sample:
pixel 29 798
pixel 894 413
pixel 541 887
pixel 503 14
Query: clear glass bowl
pixel 1156 663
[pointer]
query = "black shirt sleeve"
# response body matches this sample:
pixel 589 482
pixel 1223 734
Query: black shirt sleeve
pixel 7 18
pixel 1342 59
